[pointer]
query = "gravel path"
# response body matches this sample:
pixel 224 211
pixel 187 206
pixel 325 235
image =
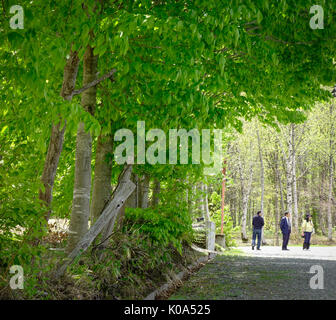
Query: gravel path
pixel 266 274
pixel 319 253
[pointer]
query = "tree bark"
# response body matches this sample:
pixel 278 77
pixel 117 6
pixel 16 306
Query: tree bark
pixel 289 173
pixel 262 184
pixel 262 179
pixel 156 192
pixel 278 189
pixel 50 166
pixel 245 196
pixel 57 135
pixel 82 185
pixel 102 176
pixel 321 203
pixel 144 191
pixel 132 200
pixel 124 178
pixel 331 174
pixel 206 204
pixel 295 195
pixel 331 178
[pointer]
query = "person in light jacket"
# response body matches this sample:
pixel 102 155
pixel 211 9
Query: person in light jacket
pixel 307 230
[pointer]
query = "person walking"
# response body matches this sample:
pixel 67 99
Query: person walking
pixel 286 228
pixel 307 230
pixel 258 223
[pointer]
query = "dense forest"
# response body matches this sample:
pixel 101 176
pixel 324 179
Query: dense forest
pixel 114 113
pixel 287 168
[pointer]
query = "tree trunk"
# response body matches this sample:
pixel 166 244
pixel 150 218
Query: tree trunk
pixel 138 191
pixel 246 194
pixel 144 191
pixel 289 173
pixel 132 200
pixel 262 179
pixel 277 218
pixel 82 185
pixel 262 184
pixel 156 192
pixel 57 135
pixel 331 177
pixel 206 204
pixel 295 196
pixel 321 203
pixel 50 165
pixel 278 188
pixel 331 174
pixel 102 176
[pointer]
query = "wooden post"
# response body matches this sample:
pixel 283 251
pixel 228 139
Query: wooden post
pixel 210 237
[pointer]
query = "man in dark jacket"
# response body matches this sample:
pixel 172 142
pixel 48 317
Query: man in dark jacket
pixel 258 223
pixel 286 228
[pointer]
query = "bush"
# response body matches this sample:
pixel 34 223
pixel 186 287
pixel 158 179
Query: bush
pixel 164 225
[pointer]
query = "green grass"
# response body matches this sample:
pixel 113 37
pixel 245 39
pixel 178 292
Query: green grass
pixel 233 252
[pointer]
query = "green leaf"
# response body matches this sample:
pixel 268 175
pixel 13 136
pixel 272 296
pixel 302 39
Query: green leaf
pixel 259 17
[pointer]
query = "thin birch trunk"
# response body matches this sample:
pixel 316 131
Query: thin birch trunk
pixel 245 195
pixel 278 189
pixel 321 204
pixel 331 177
pixel 289 173
pixel 262 183
pixel 200 207
pixel 206 204
pixel 331 174
pixel 295 196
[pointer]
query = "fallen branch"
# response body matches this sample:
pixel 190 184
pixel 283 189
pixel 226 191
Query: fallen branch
pixel 121 194
pixel 106 234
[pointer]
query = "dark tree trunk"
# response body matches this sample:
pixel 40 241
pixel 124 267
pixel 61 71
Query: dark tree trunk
pixel 57 135
pixel 102 176
pixel 156 192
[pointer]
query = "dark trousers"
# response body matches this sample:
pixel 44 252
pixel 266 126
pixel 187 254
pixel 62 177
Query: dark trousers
pixel 307 236
pixel 285 239
pixel 256 232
